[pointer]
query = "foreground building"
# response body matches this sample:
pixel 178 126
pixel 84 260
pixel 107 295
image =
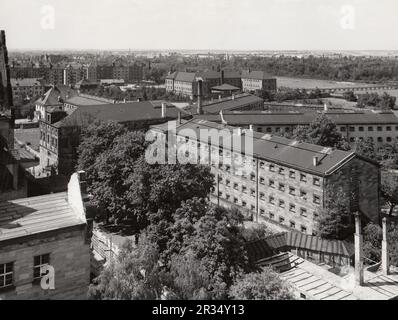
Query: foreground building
pixel 379 126
pixel 49 230
pixel 288 181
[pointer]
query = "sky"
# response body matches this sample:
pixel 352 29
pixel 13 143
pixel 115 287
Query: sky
pixel 200 24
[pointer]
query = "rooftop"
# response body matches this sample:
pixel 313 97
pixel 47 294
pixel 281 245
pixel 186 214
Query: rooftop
pixel 225 87
pixel 275 149
pixel 302 118
pixel 26 82
pixel 54 94
pixel 29 216
pixel 230 103
pixel 119 112
pixel 257 75
pixel 81 100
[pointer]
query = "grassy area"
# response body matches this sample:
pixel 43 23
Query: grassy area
pixel 313 83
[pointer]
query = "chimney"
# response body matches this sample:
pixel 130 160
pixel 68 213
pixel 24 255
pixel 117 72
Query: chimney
pixel 325 107
pixel 179 118
pixel 199 107
pixel 385 259
pixel 164 110
pixel 239 131
pixel 251 127
pixel 315 161
pixel 222 76
pixel 219 97
pixel 358 251
pixel 233 97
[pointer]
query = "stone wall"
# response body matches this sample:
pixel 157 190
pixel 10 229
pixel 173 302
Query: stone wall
pixel 69 255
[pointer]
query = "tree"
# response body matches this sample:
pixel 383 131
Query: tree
pixel 366 148
pixel 334 220
pixel 322 131
pixel 266 285
pixel 350 96
pixel 135 275
pixel 389 190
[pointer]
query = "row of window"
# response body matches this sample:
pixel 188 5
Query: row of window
pixel 379 139
pixel 7 270
pixel 271 183
pixel 370 128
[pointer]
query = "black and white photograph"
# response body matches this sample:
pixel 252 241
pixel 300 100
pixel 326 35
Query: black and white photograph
pixel 214 151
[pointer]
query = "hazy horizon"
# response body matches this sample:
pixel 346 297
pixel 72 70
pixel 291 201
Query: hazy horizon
pixel 206 25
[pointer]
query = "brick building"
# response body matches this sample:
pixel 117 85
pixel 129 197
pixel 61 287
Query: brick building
pixel 60 131
pixel 258 80
pixel 26 88
pixel 40 231
pixel 289 181
pixel 380 126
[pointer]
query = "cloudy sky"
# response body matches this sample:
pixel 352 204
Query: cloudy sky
pixel 201 24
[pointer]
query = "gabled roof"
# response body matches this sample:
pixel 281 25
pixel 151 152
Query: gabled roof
pixel 229 103
pixel 257 75
pixel 119 112
pixel 51 97
pixel 185 76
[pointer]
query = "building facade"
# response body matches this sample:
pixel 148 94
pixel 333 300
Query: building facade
pixel 50 231
pixel 258 80
pixel 288 181
pixel 26 88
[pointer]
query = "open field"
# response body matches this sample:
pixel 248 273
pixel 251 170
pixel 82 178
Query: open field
pixel 314 83
pixel 381 91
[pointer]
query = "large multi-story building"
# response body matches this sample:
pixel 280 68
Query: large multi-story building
pixel 26 88
pixel 258 80
pixel 73 74
pixel 60 130
pixel 129 73
pixel 379 126
pixel 287 182
pixel 48 232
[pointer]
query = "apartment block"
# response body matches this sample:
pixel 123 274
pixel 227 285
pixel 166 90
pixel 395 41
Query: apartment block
pixel 288 181
pixel 258 80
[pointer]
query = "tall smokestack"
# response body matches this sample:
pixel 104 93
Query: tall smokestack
pixel 222 76
pixel 358 251
pixel 200 93
pixel 385 259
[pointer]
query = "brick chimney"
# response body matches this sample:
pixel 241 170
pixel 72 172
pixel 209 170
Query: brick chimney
pixel 385 259
pixel 200 93
pixel 358 251
pixel 222 76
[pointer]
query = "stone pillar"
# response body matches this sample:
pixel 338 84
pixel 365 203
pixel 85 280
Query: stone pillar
pixel 358 251
pixel 385 261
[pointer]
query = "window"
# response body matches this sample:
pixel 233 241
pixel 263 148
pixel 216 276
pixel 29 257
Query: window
pixel 352 129
pixel 272 168
pixel 235 186
pixel 303 194
pixel 262 164
pixel 287 129
pixel 277 129
pixel 6 274
pixel 388 128
pixel 38 262
pixel 271 183
pixel 252 192
pixel 379 128
pixel 281 203
pixel 292 208
pixel 220 194
pixel 316 181
pixel 262 212
pixel 227 168
pixel 269 130
pixel 292 224
pixel 316 215
pixel 379 139
pixel 281 219
pixel 252 177
pixel 388 139
pixel 303 212
pixel 370 128
pixel 252 208
pixel 303 229
pixel 396 128
pixel 292 191
pixel 360 129
pixel 303 177
pixel 271 215
pixel 342 129
pixel 292 174
pixel 236 200
pixel 281 171
pixel 227 196
pixel 281 187
pixel 317 199
pixel 352 139
pixel 244 189
pixel 244 203
pixel 271 199
pixel 262 180
pixel 227 182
